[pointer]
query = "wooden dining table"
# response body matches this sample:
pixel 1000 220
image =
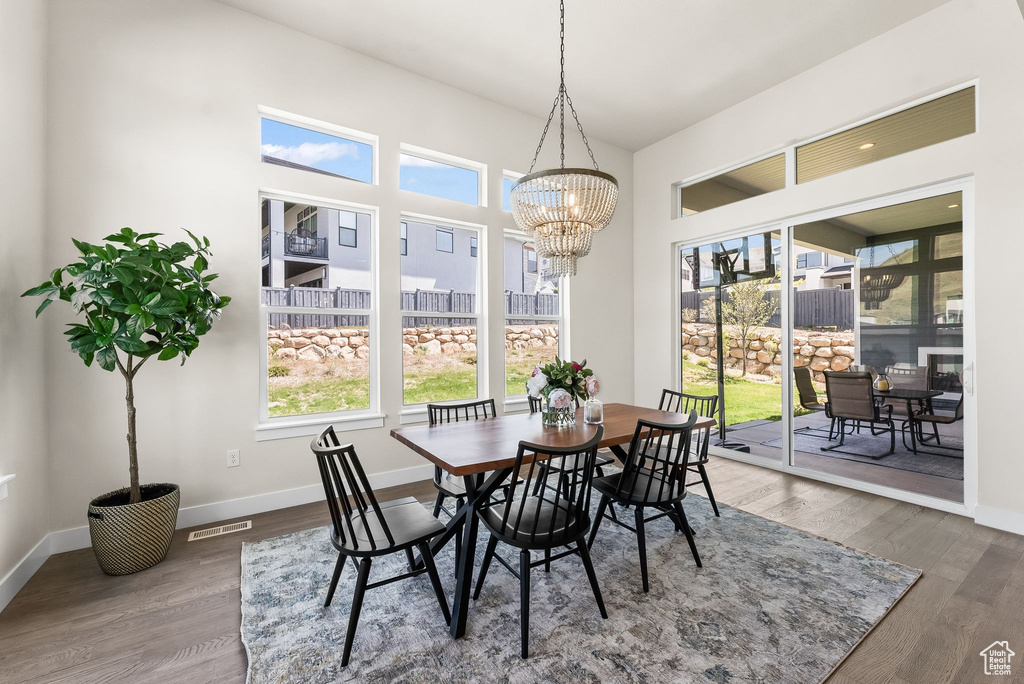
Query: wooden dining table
pixel 483 453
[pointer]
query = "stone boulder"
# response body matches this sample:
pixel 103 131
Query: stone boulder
pixel 286 354
pixel 431 347
pixel 312 353
pixel 841 363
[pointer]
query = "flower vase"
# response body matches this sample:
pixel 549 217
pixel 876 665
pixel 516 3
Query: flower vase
pixel 557 417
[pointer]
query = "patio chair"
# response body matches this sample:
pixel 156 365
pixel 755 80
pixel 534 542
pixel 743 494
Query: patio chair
pixel 851 398
pixel 930 415
pixel 809 397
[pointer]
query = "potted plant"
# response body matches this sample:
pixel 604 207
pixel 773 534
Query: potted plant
pixel 136 299
pixel 561 385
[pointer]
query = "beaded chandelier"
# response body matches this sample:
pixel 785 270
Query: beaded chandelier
pixel 562 208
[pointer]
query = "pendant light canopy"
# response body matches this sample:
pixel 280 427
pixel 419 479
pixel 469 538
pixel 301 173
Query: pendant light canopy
pixel 563 208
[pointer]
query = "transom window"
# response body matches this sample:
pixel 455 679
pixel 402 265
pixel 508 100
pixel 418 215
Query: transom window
pixel 441 175
pixel 309 149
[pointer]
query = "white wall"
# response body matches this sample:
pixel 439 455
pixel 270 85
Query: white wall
pixel 153 123
pixel 23 415
pixel 962 40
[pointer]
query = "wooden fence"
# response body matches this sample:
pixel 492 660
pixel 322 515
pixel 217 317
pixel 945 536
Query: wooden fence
pixel 826 308
pixel 427 301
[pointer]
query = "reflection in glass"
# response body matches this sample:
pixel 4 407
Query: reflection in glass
pixel 301 148
pixel 747 181
pixel 437 179
pixel 731 338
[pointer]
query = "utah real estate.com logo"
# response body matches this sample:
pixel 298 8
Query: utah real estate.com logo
pixel 997 658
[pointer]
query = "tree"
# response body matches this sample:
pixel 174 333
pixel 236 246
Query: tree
pixel 139 298
pixel 747 307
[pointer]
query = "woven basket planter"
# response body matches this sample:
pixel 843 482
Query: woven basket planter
pixel 128 537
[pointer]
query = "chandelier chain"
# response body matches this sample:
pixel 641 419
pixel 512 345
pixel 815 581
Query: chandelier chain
pixel 561 99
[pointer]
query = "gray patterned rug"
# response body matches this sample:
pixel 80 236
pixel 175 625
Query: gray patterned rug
pixel 771 604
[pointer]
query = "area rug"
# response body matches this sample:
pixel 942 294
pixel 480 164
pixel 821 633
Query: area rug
pixel 771 604
pixel 930 459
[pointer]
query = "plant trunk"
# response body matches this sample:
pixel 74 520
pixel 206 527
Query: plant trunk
pixel 133 451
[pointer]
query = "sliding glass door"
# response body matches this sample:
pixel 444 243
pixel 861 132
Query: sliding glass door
pixel 836 346
pixel 730 312
pixel 878 296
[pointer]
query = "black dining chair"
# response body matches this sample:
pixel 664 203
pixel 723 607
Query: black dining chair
pixel 542 521
pixel 566 468
pixel 679 402
pixel 653 476
pixel 363 528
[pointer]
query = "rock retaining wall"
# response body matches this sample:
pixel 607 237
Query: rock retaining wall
pixel 315 344
pixel 818 350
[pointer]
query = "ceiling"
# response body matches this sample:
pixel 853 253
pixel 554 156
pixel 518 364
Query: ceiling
pixel 637 71
pixel 923 213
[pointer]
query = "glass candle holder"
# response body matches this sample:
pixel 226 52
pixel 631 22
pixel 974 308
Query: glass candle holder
pixel 593 411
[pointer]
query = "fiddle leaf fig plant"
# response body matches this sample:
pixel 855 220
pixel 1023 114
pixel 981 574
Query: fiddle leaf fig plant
pixel 137 298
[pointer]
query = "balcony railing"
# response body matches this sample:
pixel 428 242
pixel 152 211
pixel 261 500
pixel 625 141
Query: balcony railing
pixel 297 245
pixel 266 246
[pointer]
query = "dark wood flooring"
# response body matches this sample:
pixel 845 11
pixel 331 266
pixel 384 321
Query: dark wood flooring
pixel 179 621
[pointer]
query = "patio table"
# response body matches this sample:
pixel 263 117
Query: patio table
pixel 910 396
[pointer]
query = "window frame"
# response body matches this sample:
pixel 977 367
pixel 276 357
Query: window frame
pixel 789 150
pixel 282 427
pixel 417 413
pixel 355 237
pixel 518 402
pixel 438 232
pixel 327 128
pixel 448 160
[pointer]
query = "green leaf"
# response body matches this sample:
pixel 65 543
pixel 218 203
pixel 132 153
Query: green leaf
pixel 106 358
pixel 123 275
pixel 87 357
pixel 36 291
pixel 42 307
pixel 130 344
pixel 168 354
pixel 136 326
pixel 165 307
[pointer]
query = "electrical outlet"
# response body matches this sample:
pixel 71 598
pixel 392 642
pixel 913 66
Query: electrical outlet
pixel 234 459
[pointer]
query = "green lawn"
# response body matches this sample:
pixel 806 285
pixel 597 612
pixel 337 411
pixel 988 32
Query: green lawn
pixel 424 385
pixel 318 396
pixel 745 400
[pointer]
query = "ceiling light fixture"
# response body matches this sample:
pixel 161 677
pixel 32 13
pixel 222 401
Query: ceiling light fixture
pixel 562 208
pixel 867 146
pixel 952 206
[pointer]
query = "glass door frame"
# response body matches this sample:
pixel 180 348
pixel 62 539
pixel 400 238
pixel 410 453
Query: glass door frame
pixel 785 228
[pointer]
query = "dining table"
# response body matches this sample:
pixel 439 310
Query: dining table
pixel 910 395
pixel 483 452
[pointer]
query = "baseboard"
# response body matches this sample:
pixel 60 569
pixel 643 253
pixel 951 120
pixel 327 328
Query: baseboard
pixel 78 537
pixel 23 571
pixel 1007 521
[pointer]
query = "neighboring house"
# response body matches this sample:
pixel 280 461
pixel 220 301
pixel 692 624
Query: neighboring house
pixel 525 272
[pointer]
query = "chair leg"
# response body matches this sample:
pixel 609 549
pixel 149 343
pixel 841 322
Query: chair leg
pixel 458 538
pixel 357 605
pixel 611 509
pixel 641 543
pixel 547 560
pixel 892 437
pixel 412 560
pixel 524 600
pixel 435 580
pixel 334 579
pixel 597 520
pixel 437 504
pixel 589 565
pixel 707 488
pixel 492 543
pixel 689 533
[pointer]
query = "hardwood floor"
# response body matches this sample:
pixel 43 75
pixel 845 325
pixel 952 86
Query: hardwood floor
pixel 179 621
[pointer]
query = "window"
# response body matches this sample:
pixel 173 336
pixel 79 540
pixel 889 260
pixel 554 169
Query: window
pixel 297 147
pixel 317 316
pixel 404 240
pixel 938 120
pixel 472 246
pixel 508 180
pixel 348 234
pixel 440 306
pixel 444 241
pixel 747 181
pixel 533 310
pixel 808 259
pixel 441 175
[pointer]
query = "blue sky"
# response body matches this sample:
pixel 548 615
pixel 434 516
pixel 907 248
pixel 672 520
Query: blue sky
pixel 433 178
pixel 506 193
pixel 317 150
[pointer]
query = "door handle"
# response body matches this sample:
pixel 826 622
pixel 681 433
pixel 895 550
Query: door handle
pixel 967 379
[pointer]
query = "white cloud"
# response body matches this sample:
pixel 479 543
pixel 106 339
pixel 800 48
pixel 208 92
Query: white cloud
pixel 309 154
pixel 409 160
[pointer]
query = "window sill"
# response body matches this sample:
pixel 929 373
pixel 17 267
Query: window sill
pixel 304 428
pixel 4 479
pixel 412 416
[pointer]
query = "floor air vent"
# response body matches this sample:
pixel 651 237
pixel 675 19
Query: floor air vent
pixel 217 531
